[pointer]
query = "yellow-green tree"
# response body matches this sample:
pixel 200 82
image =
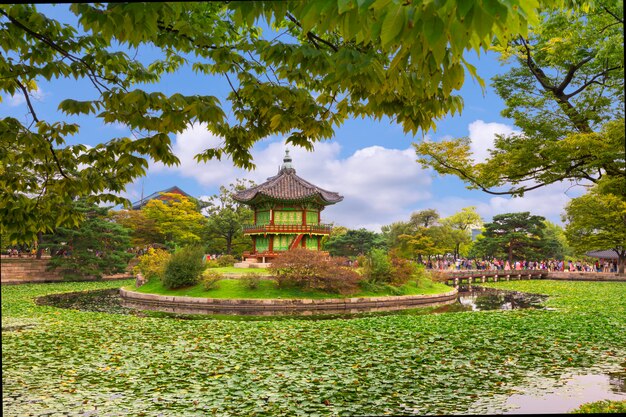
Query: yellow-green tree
pixel 177 219
pixel 461 224
pixel 597 220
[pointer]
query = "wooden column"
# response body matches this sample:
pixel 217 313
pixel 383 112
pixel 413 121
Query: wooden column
pixel 271 245
pixel 254 240
pixel 272 217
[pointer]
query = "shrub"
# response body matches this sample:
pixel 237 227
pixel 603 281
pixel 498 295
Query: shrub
pixel 184 268
pixel 381 269
pixel 224 260
pixel 152 264
pixel 313 270
pixel 250 281
pixel 604 406
pixel 422 277
pixel 376 267
pixel 211 279
pixel 402 271
pixel 438 276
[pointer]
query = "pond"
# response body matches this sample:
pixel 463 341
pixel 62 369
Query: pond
pixel 472 298
pixel 566 394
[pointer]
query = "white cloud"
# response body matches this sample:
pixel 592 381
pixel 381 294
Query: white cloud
pixel 377 183
pixel 15 100
pixel 483 135
pixel 18 98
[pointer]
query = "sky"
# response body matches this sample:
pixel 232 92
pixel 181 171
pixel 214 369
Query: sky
pixel 370 163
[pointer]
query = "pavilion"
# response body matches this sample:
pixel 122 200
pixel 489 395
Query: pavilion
pixel 287 212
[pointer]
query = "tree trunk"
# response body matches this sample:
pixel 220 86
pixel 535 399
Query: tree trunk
pixel 229 244
pixel 457 250
pixel 39 242
pixel 510 255
pixel 620 263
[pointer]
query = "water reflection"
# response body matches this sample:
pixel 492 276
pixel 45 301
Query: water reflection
pixel 473 298
pixel 470 298
pixel 547 395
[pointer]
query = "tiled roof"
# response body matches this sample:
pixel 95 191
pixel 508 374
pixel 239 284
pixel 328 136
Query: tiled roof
pixel 138 204
pixel 287 186
pixel 603 254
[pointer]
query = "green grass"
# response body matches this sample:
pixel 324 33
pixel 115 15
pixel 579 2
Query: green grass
pixel 233 288
pixel 233 270
pixel 66 362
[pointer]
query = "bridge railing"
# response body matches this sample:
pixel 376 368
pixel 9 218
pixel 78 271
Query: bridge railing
pixel 491 272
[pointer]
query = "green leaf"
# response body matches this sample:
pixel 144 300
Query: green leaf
pixel 393 24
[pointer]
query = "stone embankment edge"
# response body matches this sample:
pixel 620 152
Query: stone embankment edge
pixel 268 307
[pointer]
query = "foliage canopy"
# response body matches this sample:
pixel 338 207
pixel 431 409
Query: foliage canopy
pixel 566 94
pixel 338 59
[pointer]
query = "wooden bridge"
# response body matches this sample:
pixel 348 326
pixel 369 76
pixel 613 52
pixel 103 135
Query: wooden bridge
pixel 475 276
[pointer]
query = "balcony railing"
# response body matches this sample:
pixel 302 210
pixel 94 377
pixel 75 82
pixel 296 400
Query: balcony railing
pixel 268 254
pixel 288 228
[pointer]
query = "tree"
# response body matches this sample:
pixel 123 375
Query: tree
pixel 597 220
pixel 461 224
pixel 354 243
pixel 555 242
pixel 424 218
pixel 99 246
pixel 227 218
pixel 514 235
pixel 565 93
pixel 392 232
pixel 343 59
pixel 416 244
pixel 144 230
pixel 177 219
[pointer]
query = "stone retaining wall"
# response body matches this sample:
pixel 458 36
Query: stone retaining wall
pixel 30 270
pixel 271 307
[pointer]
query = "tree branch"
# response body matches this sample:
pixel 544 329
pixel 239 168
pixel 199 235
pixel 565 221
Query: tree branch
pixel 592 81
pixel 311 36
pixel 91 73
pixel 619 19
pixel 570 74
pixel 32 111
pixel 534 68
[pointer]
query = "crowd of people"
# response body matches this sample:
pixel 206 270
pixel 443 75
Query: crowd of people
pixel 600 265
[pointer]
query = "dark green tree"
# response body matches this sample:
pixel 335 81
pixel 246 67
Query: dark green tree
pixel 97 247
pixel 354 243
pixel 517 236
pixel 424 218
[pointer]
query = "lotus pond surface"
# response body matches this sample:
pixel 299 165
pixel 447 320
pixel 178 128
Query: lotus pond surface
pixel 59 361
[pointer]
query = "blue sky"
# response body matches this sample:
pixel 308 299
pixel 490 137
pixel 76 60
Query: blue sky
pixel 371 163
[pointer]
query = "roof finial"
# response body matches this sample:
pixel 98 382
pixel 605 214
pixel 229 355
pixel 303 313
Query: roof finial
pixel 287 161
